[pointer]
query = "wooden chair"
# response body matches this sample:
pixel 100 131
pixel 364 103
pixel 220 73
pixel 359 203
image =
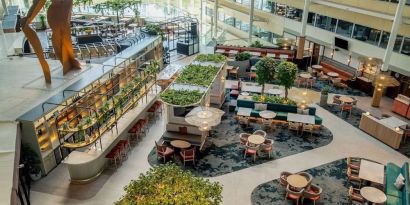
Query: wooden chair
pixel 353 164
pixel 293 195
pixel 336 99
pixel 308 177
pixel 406 130
pixel 243 121
pixel 313 193
pixel 354 196
pixel 294 126
pixel 267 147
pixel 283 178
pixel 260 132
pixel 163 151
pixel 353 177
pixel 252 75
pixel 243 137
pixel 308 128
pixel 188 155
pixel 251 150
pixel 267 124
pixel 233 72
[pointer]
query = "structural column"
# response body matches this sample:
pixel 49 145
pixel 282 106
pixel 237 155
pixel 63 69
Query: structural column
pixel 215 19
pixel 251 21
pixel 301 45
pixel 3 3
pixel 393 34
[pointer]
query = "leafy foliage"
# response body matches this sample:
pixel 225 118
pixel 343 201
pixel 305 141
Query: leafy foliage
pixel 243 56
pixel 216 58
pixel 273 99
pixel 169 184
pixel 286 75
pixel 181 97
pixel 153 29
pixel 153 67
pixel 198 75
pixel 256 44
pixel 325 90
pixel 265 71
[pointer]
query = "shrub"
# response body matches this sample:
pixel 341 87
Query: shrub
pixel 256 44
pixel 198 75
pixel 216 58
pixel 181 97
pixel 242 56
pixel 169 184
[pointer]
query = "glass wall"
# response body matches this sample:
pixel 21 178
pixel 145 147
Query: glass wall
pixel 325 22
pixel 344 28
pixel 366 34
pixel 384 40
pixel 406 46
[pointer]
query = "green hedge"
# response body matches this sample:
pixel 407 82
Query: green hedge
pixel 181 97
pixel 198 75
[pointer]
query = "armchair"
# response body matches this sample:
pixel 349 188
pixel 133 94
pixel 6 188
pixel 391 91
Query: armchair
pixel 163 151
pixel 188 155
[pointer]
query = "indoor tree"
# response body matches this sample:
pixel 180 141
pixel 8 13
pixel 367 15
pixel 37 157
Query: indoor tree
pixel 169 184
pixel 286 74
pixel 265 71
pixel 118 6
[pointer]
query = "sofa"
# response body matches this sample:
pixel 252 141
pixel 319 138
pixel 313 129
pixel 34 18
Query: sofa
pixel 280 110
pixel 344 75
pixel 395 196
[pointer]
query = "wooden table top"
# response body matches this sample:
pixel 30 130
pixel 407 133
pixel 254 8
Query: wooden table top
pixel 305 75
pixel 333 74
pixel 256 139
pixel 180 144
pixel 346 99
pixel 297 181
pixel 373 194
pixel 317 66
pixel 267 114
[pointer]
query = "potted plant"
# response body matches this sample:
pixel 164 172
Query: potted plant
pixel 286 75
pixel 43 24
pixel 324 95
pixel 256 44
pixel 241 60
pixel 169 184
pixel 31 162
pixel 265 70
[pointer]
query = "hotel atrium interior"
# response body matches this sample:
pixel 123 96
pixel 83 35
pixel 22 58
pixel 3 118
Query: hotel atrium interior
pixel 204 102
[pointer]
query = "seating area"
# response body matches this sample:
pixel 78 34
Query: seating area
pixel 299 187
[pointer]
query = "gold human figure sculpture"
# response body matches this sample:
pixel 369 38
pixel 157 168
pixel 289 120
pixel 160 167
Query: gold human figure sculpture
pixel 58 16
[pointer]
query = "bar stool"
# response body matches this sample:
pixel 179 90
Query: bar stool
pixel 126 144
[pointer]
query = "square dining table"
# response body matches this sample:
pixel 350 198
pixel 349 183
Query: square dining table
pixel 371 171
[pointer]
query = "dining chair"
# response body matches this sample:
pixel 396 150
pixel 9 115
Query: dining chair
pixel 310 82
pixel 353 164
pixel 251 150
pixel 308 177
pixel 243 137
pixel 313 194
pixel 336 99
pixel 293 195
pixel 353 178
pixel 163 151
pixel 267 147
pixel 406 133
pixel 294 126
pixel 260 132
pixel 355 196
pixel 188 155
pixel 267 123
pixel 298 82
pixel 308 128
pixel 233 72
pixel 354 101
pixel 283 178
pixel 243 121
pixel 346 107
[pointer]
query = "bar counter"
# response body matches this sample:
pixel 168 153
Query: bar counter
pixel 85 166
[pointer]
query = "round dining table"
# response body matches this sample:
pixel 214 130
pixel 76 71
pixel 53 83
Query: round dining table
pixel 346 99
pixel 267 114
pixel 297 181
pixel 317 66
pixel 274 91
pixel 333 74
pixel 373 195
pixel 181 144
pixel 305 75
pixel 256 139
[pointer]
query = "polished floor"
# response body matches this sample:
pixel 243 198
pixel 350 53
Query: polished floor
pixel 239 185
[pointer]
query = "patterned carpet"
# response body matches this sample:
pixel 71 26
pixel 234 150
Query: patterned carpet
pixel 354 119
pixel 225 154
pixel 331 177
pixel 341 91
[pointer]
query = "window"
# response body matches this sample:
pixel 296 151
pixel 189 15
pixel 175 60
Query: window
pixel 267 6
pixel 280 9
pixel 397 44
pixel 209 11
pixel 369 35
pixel 406 46
pixel 326 23
pixel 221 16
pixel 244 27
pixel 238 23
pixel 311 18
pixel 258 4
pixel 265 35
pixel 344 28
pixel 294 13
pixel 229 20
pixel 385 39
